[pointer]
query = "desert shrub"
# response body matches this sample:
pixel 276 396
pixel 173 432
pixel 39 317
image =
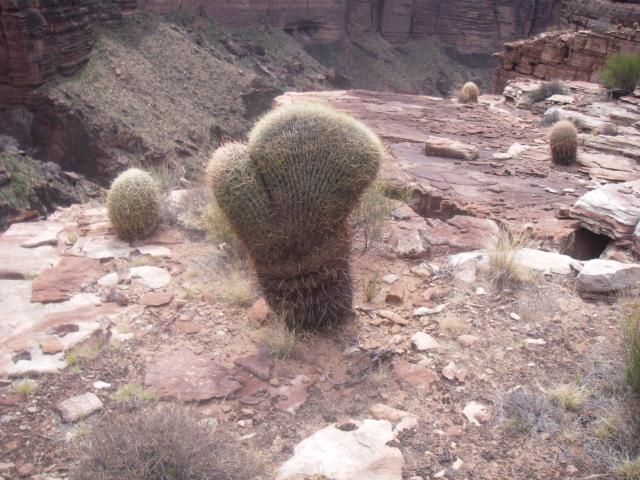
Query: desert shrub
pixel 469 93
pixel 629 469
pixel 167 442
pixel 631 336
pixel 563 141
pixel 621 72
pixel 568 396
pixel 525 411
pixel 288 194
pixel 372 287
pixel 133 204
pixel 504 271
pixel 546 90
pixel 372 214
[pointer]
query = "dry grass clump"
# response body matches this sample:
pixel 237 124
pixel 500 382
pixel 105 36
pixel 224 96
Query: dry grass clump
pixel 26 386
pixel 372 287
pixel 469 93
pixel 238 289
pixel 86 351
pixel 133 204
pixel 451 326
pixel 372 214
pixel 631 338
pixel 281 340
pixel 563 141
pixel 568 396
pixel 167 442
pixel 134 392
pixel 220 230
pixel 504 271
pixel 524 411
pixel 629 469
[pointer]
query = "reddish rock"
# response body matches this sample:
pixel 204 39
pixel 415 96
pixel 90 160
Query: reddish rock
pixel 395 293
pixel 180 374
pixel 51 345
pixel 11 399
pixel 188 328
pixel 259 365
pixel 156 299
pixel 62 281
pixel 415 375
pixel 291 397
pixel 259 311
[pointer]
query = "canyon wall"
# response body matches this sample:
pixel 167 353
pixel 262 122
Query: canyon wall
pixel 42 38
pixel 600 13
pixel 563 55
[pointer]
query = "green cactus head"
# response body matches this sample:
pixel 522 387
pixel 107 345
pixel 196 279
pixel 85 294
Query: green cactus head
pixel 133 204
pixel 563 141
pixel 288 194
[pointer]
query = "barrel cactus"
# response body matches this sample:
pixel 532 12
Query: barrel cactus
pixel 288 193
pixel 469 93
pixel 563 140
pixel 133 204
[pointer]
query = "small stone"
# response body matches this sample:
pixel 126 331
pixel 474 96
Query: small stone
pixel 51 345
pixel 259 365
pixel 476 413
pixel 259 311
pixel 423 342
pixel 154 250
pixel 109 280
pixel 502 156
pixel 423 270
pixel 480 291
pixel 422 311
pixel 100 385
pixel 390 279
pixel 156 299
pixel 452 372
pixel 188 328
pixel 551 190
pixel 394 317
pixel 78 407
pixel 535 341
pixel 395 293
pixel 415 375
pixel 515 316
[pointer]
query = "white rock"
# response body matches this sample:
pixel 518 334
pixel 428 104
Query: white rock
pixel 150 277
pixel 476 413
pixel 546 262
pixel 502 156
pixel 449 148
pixel 347 455
pixel 422 311
pixel 534 341
pixel 390 279
pixel 465 265
pixel 423 270
pixel 154 250
pixel 100 385
pixel 517 149
pixel 515 316
pixel 109 280
pixel 601 276
pixel 45 238
pixel 101 248
pixel 423 342
pixel 410 245
pixel 453 372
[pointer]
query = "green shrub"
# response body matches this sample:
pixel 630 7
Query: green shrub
pixel 563 140
pixel 469 93
pixel 288 194
pixel 133 204
pixel 622 72
pixel 631 336
pixel 546 90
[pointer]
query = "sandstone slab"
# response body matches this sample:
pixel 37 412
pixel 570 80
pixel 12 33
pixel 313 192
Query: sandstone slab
pixel 180 374
pixel 17 262
pixel 612 210
pixel 62 281
pixel 259 365
pixel 101 247
pixel 546 262
pixel 415 375
pixel 156 299
pixel 448 148
pixel 347 455
pixel 602 276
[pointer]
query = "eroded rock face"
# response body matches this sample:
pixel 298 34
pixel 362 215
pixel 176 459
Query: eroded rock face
pixel 563 55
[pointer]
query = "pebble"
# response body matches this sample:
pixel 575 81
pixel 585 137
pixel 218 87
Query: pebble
pixel 515 316
pixel 390 279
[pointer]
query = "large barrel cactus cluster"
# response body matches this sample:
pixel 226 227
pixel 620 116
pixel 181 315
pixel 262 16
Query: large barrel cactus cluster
pixel 288 193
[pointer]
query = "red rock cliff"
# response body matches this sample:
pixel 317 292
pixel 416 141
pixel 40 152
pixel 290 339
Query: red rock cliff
pixel 563 55
pixel 41 38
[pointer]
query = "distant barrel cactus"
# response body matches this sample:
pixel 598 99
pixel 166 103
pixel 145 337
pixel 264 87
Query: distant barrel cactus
pixel 469 93
pixel 133 204
pixel 288 194
pixel 563 140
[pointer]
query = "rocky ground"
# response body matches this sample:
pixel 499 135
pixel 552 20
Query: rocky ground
pixel 442 374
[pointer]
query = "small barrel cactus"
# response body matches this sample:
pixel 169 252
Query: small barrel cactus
pixel 133 204
pixel 288 193
pixel 563 140
pixel 469 93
